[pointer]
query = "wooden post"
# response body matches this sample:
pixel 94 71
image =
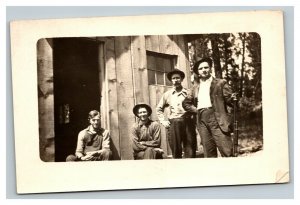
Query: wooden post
pixel 110 59
pixel 46 99
pixel 125 94
pixel 140 73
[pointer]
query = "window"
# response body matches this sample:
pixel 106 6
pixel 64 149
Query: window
pixel 158 66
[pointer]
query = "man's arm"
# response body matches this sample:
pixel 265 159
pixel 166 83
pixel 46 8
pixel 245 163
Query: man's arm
pixel 136 145
pixel 156 135
pixel 105 145
pixel 229 96
pixel 80 145
pixel 160 111
pixel 188 104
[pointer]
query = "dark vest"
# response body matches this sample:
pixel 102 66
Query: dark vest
pixel 93 142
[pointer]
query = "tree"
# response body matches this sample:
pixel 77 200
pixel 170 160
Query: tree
pixel 214 38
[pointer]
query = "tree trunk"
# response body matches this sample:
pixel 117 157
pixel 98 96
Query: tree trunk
pixel 216 55
pixel 243 37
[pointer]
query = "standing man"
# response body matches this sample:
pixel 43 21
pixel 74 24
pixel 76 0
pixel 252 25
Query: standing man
pixel 93 142
pixel 180 124
pixel 209 100
pixel 145 134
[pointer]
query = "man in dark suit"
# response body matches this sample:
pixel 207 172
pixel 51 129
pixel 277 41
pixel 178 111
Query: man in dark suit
pixel 209 99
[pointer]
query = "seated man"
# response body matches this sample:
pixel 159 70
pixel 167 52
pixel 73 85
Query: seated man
pixel 146 135
pixel 93 142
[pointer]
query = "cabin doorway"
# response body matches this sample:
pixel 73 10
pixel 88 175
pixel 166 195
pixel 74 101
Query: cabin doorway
pixel 77 90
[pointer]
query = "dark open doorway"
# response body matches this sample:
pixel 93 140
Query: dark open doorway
pixel 76 90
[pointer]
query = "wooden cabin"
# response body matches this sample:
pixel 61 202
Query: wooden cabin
pixel 110 74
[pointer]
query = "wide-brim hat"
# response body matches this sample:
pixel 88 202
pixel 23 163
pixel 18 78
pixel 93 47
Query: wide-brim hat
pixel 138 106
pixel 175 71
pixel 195 67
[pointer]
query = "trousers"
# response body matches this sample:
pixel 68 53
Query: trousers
pixel 103 156
pixel 148 153
pixel 182 135
pixel 212 137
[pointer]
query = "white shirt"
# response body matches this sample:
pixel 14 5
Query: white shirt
pixel 203 94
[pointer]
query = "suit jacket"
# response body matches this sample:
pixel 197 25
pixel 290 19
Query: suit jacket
pixel 220 96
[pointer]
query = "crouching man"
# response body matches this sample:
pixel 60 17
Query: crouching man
pixel 146 137
pixel 93 142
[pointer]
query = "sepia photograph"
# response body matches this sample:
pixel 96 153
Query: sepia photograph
pixel 113 77
pixel 156 103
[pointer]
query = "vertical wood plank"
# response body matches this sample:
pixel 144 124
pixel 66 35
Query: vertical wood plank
pixel 112 96
pixel 139 66
pixel 166 44
pixel 156 93
pixel 153 103
pixel 46 99
pixel 152 43
pixel 103 87
pixel 164 141
pixel 125 94
pixel 183 63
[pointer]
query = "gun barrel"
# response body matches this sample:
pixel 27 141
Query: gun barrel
pixel 235 130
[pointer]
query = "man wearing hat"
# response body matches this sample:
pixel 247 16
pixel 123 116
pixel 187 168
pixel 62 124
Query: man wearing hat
pixel 146 136
pixel 209 100
pixel 180 124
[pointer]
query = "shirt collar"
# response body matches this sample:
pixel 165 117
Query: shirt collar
pixel 91 131
pixel 209 80
pixel 141 123
pixel 182 92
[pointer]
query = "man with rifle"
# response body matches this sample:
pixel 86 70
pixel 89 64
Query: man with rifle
pixel 209 99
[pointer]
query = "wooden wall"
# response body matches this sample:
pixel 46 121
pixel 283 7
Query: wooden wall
pixel 45 99
pixel 126 64
pixel 127 85
pixel 171 45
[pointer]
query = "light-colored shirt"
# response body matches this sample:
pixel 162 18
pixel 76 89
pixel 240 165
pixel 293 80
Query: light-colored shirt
pixel 204 94
pixel 90 140
pixel 174 100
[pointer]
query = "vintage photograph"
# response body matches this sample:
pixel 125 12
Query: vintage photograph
pixel 174 100
pixel 140 97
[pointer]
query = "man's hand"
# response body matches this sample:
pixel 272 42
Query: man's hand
pixel 87 157
pixel 94 153
pixel 90 155
pixel 234 96
pixel 166 123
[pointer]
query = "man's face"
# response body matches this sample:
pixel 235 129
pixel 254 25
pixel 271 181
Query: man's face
pixel 176 80
pixel 204 71
pixel 143 114
pixel 95 122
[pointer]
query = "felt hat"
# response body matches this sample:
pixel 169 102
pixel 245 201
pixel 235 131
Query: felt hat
pixel 175 71
pixel 195 67
pixel 138 106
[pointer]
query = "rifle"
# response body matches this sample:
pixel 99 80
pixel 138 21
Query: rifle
pixel 233 78
pixel 235 128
